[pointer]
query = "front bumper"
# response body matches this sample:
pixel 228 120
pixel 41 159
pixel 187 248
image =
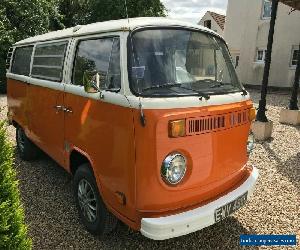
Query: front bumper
pixel 193 220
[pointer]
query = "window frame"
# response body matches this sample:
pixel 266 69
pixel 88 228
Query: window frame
pixel 64 57
pixel 129 48
pixel 89 38
pixel 207 21
pixel 13 58
pixel 263 57
pixel 263 17
pixel 294 48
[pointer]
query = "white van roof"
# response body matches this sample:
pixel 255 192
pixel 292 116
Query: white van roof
pixel 114 25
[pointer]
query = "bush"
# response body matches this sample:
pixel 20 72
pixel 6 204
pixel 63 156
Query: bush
pixel 13 232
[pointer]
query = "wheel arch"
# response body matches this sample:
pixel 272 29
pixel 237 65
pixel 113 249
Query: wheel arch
pixel 77 158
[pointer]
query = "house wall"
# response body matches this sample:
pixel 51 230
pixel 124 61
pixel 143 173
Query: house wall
pixel 246 31
pixel 214 26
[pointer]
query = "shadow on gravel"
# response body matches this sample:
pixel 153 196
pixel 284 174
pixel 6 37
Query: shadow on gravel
pixel 289 168
pixel 46 191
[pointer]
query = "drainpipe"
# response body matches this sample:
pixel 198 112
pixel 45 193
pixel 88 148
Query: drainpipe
pixel 261 113
pixel 294 100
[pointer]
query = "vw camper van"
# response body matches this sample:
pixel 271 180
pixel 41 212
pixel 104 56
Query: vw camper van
pixel 147 114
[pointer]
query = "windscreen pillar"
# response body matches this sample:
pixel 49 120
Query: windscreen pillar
pixel 262 128
pixel 292 114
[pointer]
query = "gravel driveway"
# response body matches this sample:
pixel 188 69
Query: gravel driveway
pixel 46 192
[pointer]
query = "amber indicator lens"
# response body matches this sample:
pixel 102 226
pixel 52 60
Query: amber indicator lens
pixel 252 114
pixel 177 128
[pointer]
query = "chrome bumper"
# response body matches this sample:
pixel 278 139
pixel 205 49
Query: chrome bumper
pixel 193 220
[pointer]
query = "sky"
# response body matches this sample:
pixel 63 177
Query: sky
pixel 193 10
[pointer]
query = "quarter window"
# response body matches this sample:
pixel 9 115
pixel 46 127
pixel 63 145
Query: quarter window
pixel 100 59
pixel 295 56
pixel 22 59
pixel 267 9
pixel 48 61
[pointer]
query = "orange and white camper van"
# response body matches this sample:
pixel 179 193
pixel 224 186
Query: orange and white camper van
pixel 147 115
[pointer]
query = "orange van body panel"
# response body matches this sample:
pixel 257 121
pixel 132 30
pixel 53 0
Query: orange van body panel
pixel 214 159
pixel 126 157
pixel 46 123
pixel 105 132
pixel 17 102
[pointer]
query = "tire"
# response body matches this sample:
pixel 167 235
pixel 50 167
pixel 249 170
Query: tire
pixel 99 221
pixel 27 150
pixel 3 88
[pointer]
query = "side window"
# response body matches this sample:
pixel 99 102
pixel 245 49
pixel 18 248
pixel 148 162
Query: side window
pixel 22 59
pixel 48 61
pixel 100 59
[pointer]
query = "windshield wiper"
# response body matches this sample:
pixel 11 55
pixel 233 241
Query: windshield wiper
pixel 244 92
pixel 162 86
pixel 200 93
pixel 217 85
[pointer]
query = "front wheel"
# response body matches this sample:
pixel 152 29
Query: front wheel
pixel 92 211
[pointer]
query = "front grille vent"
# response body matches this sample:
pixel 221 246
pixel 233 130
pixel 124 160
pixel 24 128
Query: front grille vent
pixel 208 124
pixel 239 118
pixel 205 124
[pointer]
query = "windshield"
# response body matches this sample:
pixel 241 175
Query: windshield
pixel 176 62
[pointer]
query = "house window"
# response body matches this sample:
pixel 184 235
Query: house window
pixel 267 9
pixel 237 59
pixel 261 55
pixel 207 24
pixel 294 58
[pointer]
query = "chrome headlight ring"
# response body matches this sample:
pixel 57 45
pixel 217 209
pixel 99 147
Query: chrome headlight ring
pixel 173 168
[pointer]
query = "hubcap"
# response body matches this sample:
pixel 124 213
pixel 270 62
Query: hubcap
pixel 21 140
pixel 87 200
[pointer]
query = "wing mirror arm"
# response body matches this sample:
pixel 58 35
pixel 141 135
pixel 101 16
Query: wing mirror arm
pixel 92 85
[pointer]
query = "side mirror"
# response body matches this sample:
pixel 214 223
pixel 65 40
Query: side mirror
pixel 91 82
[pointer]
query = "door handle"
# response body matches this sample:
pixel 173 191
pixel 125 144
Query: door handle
pixel 68 110
pixel 58 108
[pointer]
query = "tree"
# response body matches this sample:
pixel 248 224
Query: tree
pixel 20 19
pixel 115 9
pixel 76 12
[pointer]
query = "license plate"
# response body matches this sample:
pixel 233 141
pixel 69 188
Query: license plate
pixel 231 207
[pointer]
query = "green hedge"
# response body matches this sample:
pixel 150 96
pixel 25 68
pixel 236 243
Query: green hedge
pixel 13 231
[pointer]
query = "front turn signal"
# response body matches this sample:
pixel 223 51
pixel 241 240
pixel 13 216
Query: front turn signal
pixel 177 128
pixel 252 114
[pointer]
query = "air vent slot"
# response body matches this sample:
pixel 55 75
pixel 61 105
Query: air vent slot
pixel 8 58
pixel 239 118
pixel 205 124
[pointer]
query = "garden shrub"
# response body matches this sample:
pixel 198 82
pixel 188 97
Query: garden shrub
pixel 13 231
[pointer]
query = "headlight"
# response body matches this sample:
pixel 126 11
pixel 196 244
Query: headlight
pixel 250 143
pixel 173 168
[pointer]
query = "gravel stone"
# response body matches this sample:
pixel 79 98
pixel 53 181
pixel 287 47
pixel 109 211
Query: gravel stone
pixel 46 192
